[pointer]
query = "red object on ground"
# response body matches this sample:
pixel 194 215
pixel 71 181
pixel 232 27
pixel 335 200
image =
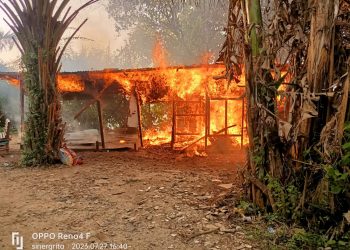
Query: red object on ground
pixel 69 157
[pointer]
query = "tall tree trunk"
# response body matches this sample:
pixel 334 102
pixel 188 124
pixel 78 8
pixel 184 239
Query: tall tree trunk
pixel 39 26
pixel 319 66
pixel 43 126
pixel 264 154
pixel 250 7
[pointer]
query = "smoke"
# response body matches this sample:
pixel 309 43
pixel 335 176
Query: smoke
pixel 94 46
pixel 10 103
pixel 98 34
pixel 196 31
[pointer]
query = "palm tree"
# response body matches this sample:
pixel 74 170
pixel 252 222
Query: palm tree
pixel 6 40
pixel 39 26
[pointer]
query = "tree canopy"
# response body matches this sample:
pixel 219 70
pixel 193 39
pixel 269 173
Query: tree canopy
pixel 6 41
pixel 188 31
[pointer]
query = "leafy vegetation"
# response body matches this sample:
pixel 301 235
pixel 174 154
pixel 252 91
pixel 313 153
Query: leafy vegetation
pixel 180 26
pixel 312 228
pixel 6 41
pixel 298 169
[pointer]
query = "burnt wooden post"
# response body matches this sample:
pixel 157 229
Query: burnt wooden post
pixel 139 116
pixel 207 110
pixel 226 113
pixel 173 132
pixel 21 98
pixel 209 117
pixel 100 119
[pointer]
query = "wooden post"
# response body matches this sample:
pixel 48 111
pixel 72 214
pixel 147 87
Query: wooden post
pixel 173 132
pixel 100 119
pixel 242 128
pixel 139 117
pixel 206 120
pixel 21 97
pixel 208 111
pixel 226 107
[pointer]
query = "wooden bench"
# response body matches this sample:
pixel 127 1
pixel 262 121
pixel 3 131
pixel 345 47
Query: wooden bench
pixel 83 140
pixel 5 137
pixel 90 139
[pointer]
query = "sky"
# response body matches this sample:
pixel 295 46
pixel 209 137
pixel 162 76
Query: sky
pixel 99 28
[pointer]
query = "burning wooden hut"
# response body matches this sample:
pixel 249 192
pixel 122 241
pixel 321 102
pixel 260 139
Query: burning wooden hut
pixel 198 106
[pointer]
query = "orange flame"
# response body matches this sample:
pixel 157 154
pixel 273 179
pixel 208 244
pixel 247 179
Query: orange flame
pixel 183 83
pixel 175 83
pixel 11 79
pixel 159 54
pixel 72 83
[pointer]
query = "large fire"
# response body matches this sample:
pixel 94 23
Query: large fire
pixel 169 84
pixel 173 84
pixel 72 84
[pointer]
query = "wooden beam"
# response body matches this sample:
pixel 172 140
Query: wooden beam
pixel 205 136
pixel 226 118
pixel 173 132
pixel 100 120
pixel 139 117
pixel 96 99
pixel 209 117
pixel 191 115
pixel 21 97
pixel 88 105
pixel 207 110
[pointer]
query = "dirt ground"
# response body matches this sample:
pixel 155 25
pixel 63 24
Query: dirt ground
pixel 149 199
